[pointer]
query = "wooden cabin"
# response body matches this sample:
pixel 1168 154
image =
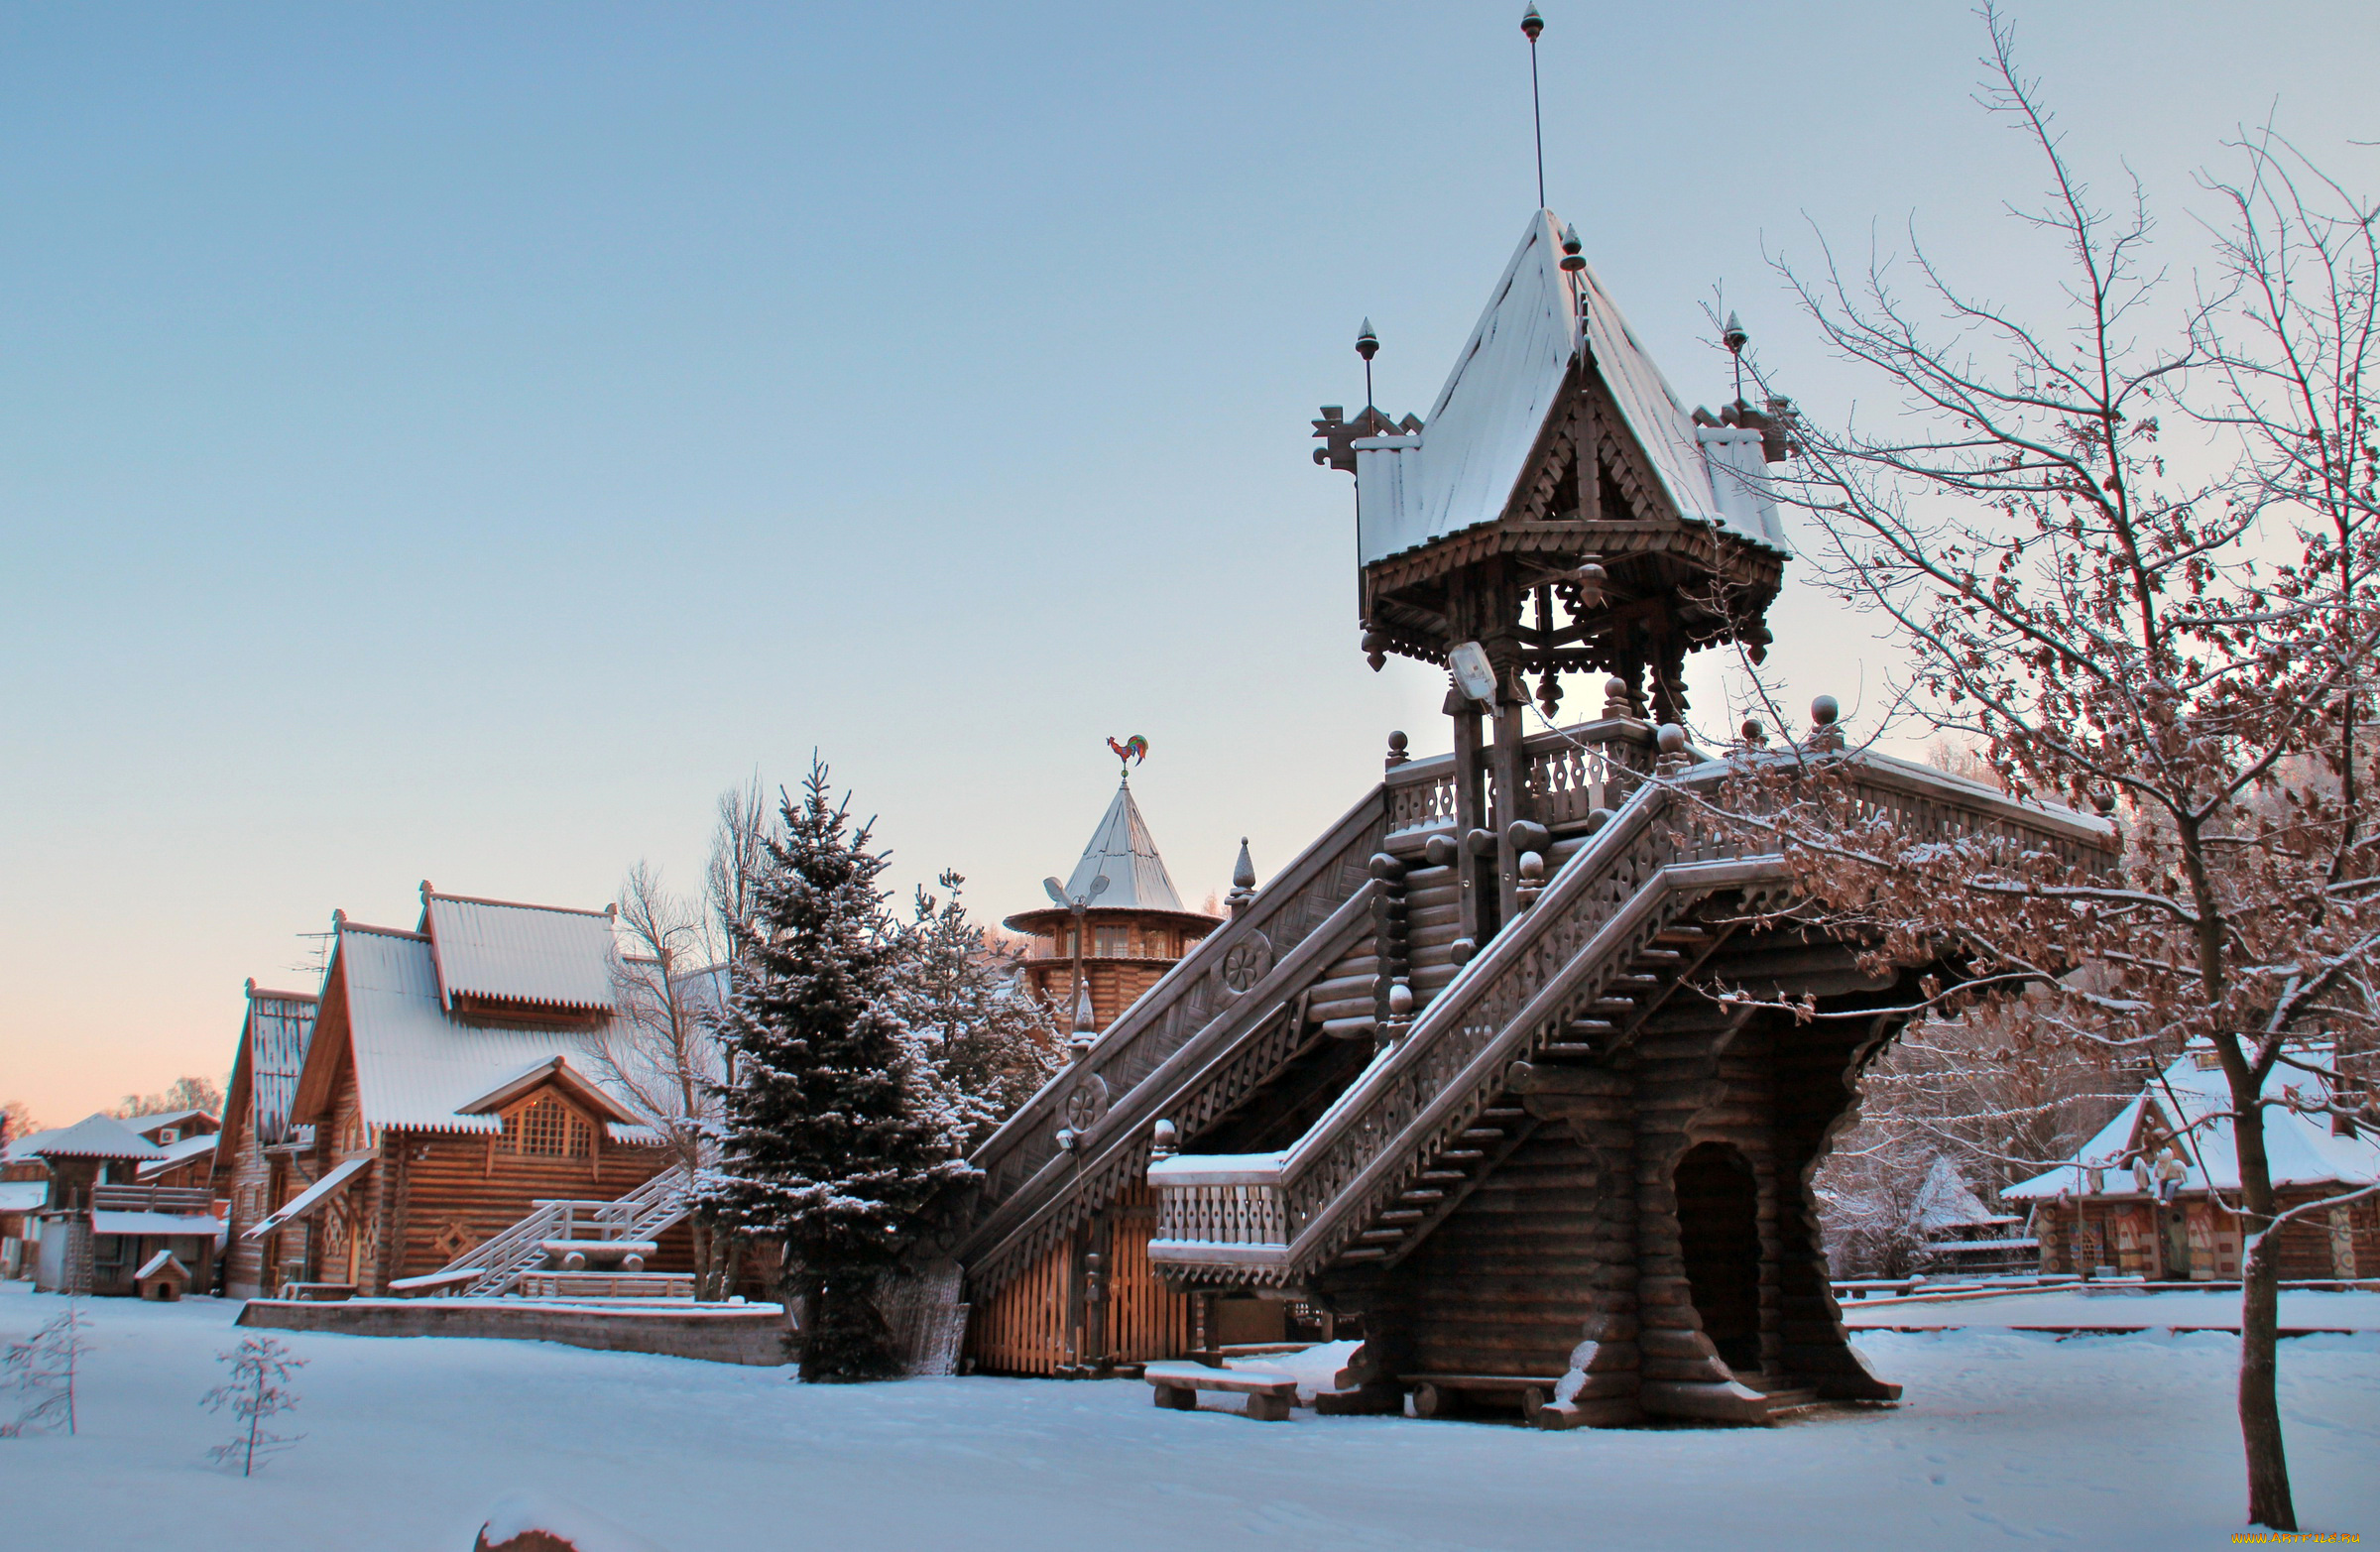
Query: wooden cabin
pixel 1455 1078
pixel 101 1221
pixel 450 1125
pixel 2155 1192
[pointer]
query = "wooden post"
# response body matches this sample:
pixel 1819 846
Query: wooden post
pixel 1512 801
pixel 1471 813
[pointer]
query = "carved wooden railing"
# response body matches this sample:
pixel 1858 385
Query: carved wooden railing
pixel 1569 773
pixel 1207 1034
pixel 1661 853
pixel 1226 993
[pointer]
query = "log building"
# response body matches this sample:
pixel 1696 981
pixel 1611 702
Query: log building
pixel 1453 1077
pixel 2155 1193
pixel 448 1126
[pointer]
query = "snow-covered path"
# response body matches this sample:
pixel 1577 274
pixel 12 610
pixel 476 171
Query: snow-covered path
pixel 2103 1442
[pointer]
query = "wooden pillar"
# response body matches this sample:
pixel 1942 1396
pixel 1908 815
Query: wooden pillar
pixel 1471 813
pixel 1512 801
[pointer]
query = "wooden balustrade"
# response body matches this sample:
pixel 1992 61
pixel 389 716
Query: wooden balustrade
pixel 1526 987
pixel 182 1200
pixel 1203 1214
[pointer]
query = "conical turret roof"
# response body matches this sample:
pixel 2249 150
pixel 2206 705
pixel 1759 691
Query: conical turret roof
pixel 1122 852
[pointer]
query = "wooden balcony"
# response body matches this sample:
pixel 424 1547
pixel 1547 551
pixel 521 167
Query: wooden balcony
pixel 184 1201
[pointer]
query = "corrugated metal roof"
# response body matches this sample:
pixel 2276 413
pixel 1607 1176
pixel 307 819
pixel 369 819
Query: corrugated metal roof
pixel 280 1025
pixel 1122 852
pixel 2302 1149
pixel 416 1063
pixel 1461 471
pixel 95 1136
pixel 539 954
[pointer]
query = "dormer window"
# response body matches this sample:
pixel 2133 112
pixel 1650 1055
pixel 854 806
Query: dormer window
pixel 546 1128
pixel 166 1137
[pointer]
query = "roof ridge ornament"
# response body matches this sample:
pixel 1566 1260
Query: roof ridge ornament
pixel 1531 23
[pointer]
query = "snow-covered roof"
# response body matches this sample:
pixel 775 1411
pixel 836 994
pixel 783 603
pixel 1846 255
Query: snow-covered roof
pixel 1461 469
pixel 541 954
pixel 280 1025
pixel 1946 1201
pixel 312 1197
pixel 192 1224
pixel 2192 1094
pixel 181 1152
pixel 23 1195
pixel 94 1137
pixel 159 1263
pixel 1123 852
pixel 150 1126
pixel 420 1067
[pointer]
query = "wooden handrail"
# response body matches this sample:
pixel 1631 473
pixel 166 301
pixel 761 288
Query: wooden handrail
pixel 1521 992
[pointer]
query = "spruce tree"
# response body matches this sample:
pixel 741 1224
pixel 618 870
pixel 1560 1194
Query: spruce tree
pixel 989 1040
pixel 836 1137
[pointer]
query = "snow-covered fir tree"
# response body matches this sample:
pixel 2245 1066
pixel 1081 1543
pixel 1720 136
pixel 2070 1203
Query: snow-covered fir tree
pixel 990 1042
pixel 837 1138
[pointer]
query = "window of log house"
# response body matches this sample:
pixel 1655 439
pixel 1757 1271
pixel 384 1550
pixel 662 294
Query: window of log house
pixel 1153 944
pixel 1111 940
pixel 546 1128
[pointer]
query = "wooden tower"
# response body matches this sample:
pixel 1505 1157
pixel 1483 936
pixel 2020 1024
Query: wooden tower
pixel 1128 932
pixel 1559 511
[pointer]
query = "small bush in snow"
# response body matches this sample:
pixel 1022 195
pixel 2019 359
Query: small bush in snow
pixel 257 1390
pixel 40 1370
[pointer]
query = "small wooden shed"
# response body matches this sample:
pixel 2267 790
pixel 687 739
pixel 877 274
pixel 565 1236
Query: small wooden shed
pixel 163 1278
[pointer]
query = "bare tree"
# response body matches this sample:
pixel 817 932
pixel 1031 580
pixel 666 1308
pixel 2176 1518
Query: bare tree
pixel 739 855
pixel 187 1093
pixel 2184 640
pixel 663 1050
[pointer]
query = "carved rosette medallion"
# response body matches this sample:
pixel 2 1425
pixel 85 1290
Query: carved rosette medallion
pixel 1087 1105
pixel 1246 962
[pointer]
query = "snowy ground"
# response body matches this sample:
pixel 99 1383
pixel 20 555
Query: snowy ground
pixel 2118 1307
pixel 2098 1442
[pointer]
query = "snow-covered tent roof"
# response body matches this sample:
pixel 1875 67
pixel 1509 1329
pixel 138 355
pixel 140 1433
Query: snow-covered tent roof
pixel 1946 1201
pixel 2192 1096
pixel 181 1152
pixel 1123 852
pixel 418 1065
pixel 541 954
pixel 1460 470
pixel 95 1136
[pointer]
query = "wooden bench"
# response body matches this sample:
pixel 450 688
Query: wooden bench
pixel 1270 1392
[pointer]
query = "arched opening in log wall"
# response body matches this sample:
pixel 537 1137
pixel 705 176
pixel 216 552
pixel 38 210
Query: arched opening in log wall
pixel 1718 1228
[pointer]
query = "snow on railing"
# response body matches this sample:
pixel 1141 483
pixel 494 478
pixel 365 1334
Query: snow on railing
pixel 1521 992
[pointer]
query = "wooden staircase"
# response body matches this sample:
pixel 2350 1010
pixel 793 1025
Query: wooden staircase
pixel 497 1264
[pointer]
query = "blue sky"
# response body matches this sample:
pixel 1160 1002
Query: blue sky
pixel 456 441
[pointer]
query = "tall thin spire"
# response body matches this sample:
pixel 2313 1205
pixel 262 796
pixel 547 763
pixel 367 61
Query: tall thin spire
pixel 1531 23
